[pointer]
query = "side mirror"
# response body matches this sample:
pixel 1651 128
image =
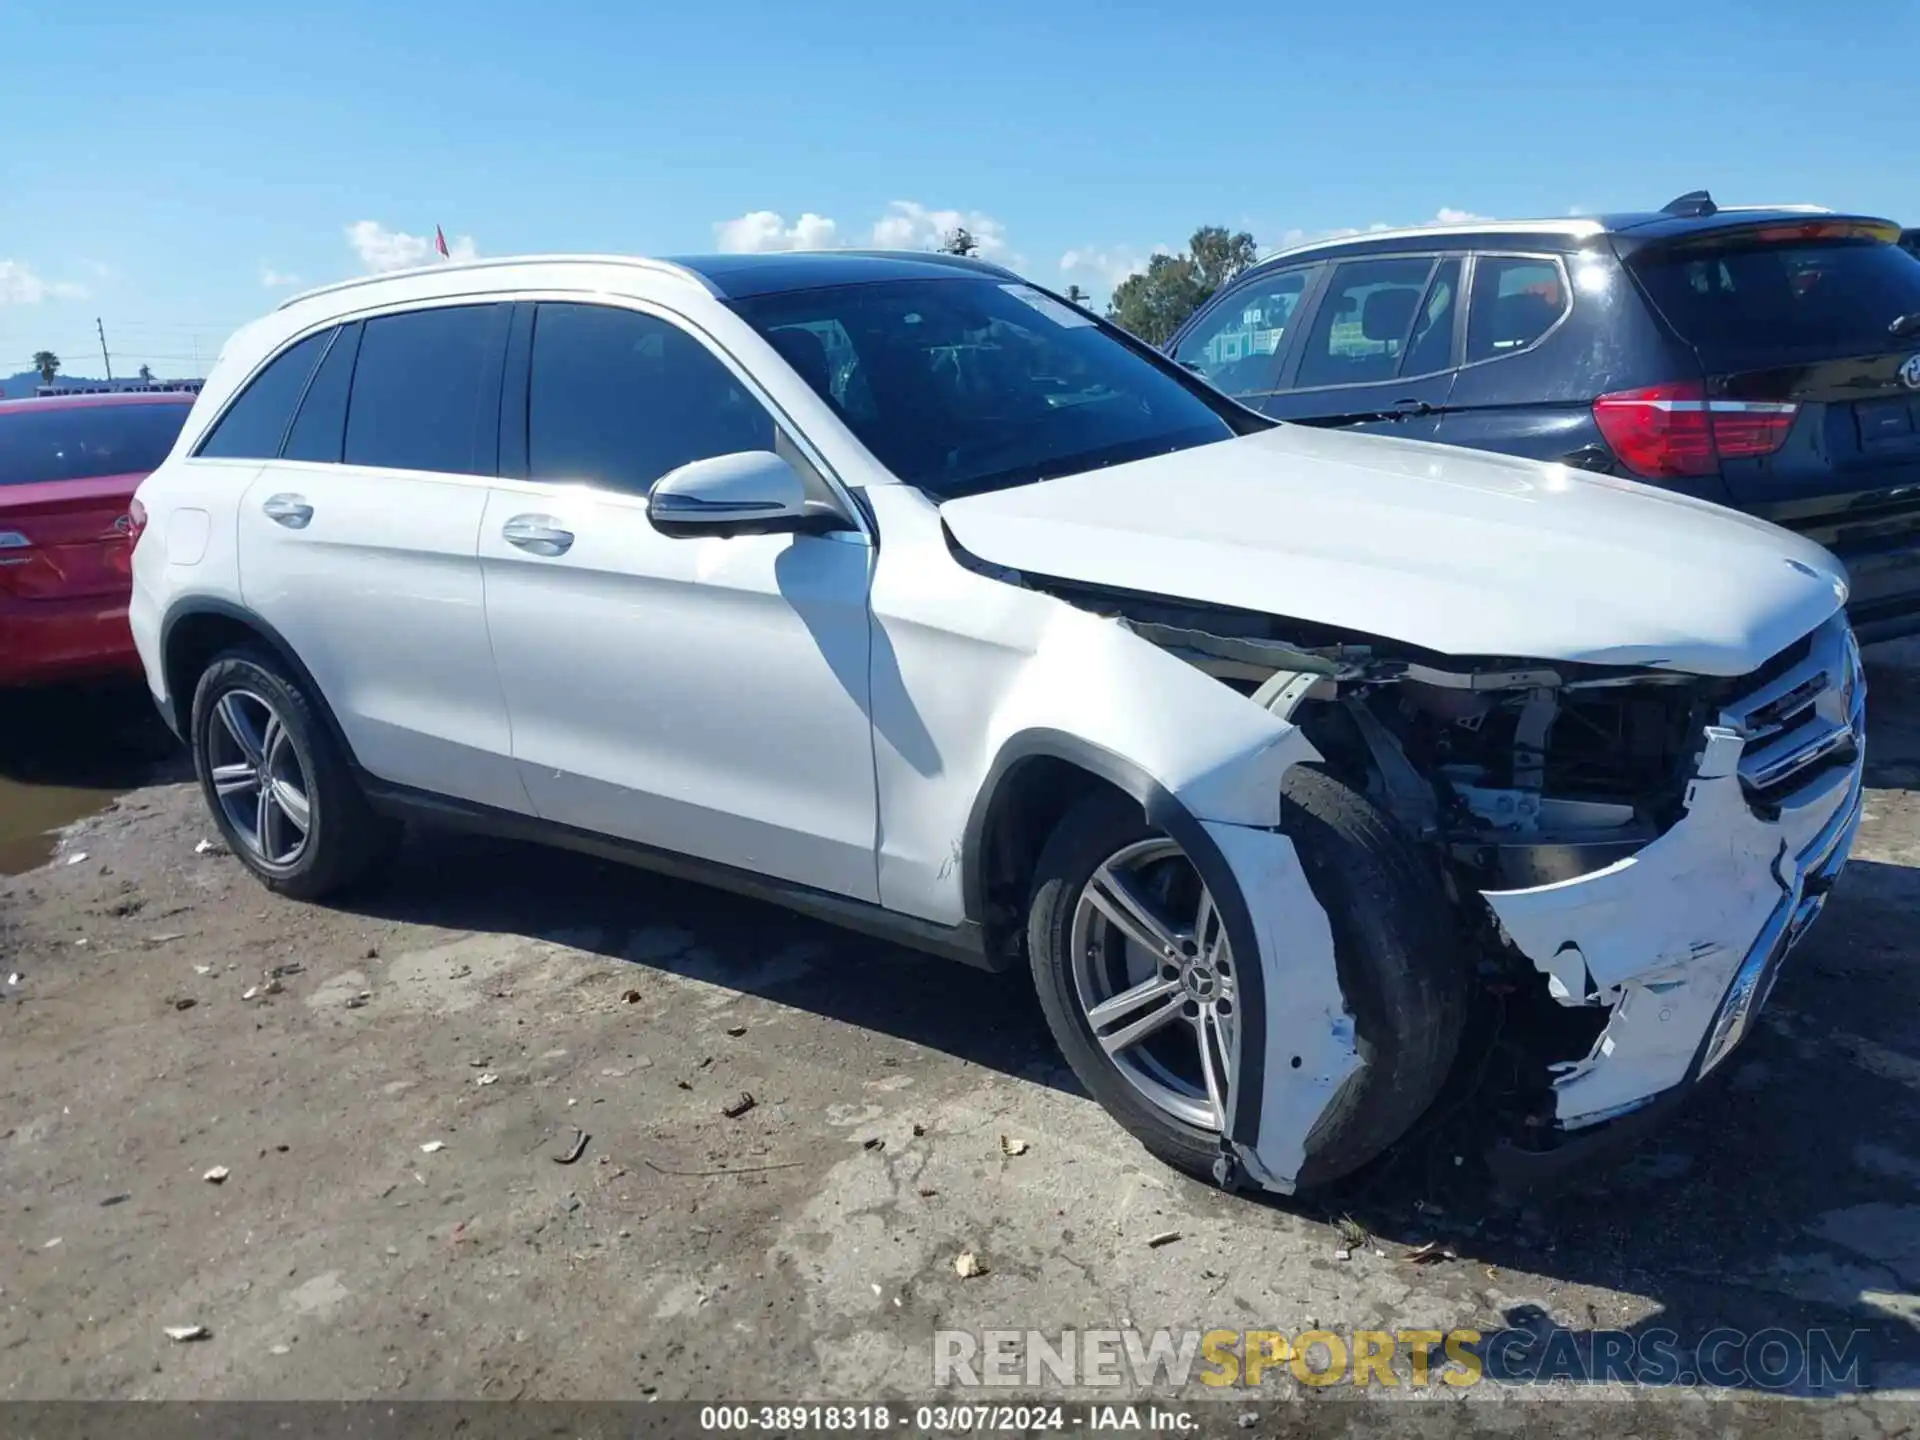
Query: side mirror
pixel 754 492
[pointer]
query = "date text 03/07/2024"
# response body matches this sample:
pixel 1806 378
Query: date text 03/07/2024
pixel 945 1419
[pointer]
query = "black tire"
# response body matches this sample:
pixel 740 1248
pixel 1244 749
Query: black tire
pixel 1395 946
pixel 346 840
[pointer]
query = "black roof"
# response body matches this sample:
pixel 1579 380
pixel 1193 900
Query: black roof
pixel 1625 230
pixel 734 277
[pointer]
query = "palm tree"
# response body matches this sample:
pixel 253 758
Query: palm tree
pixel 47 363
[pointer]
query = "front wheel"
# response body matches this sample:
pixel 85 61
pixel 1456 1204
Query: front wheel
pixel 1142 989
pixel 279 788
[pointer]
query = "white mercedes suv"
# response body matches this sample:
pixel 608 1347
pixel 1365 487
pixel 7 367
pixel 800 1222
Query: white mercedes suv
pixel 910 595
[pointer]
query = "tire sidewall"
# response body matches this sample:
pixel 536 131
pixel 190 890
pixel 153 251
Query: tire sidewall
pixel 244 672
pixel 1090 834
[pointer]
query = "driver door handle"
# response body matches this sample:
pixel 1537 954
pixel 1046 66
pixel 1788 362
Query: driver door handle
pixel 292 511
pixel 537 535
pixel 1405 408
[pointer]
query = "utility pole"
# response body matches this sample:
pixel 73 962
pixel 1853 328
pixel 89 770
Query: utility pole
pixel 103 348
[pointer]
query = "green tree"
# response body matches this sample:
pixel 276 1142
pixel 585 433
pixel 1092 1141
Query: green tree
pixel 958 241
pixel 1153 303
pixel 47 363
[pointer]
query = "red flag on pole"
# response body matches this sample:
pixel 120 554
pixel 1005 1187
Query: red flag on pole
pixel 440 242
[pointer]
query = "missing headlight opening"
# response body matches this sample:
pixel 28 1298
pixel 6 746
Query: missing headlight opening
pixel 1609 934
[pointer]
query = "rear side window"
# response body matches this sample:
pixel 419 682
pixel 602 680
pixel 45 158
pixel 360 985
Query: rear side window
pixel 1236 347
pixel 1731 302
pixel 81 442
pixel 319 428
pixel 417 400
pixel 617 399
pixel 1360 333
pixel 256 423
pixel 1516 300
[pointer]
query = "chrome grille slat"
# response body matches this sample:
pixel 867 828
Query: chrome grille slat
pixel 1799 720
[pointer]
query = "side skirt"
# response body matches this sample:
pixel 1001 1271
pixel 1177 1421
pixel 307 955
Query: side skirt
pixel 964 942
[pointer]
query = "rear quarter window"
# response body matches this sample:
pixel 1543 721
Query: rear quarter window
pixel 255 423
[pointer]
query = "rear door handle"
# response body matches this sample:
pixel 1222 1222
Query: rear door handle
pixel 537 535
pixel 292 511
pixel 1405 408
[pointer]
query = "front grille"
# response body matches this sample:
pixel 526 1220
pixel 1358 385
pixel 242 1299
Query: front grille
pixel 1800 718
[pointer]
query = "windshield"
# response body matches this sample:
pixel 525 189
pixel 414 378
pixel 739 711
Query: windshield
pixel 80 442
pixel 960 386
pixel 1734 301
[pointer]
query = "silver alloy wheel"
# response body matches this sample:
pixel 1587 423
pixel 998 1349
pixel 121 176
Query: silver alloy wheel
pixel 1154 974
pixel 259 778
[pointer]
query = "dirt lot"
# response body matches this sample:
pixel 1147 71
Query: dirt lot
pixel 395 1220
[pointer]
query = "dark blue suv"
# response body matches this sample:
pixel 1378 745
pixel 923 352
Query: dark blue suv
pixel 1765 359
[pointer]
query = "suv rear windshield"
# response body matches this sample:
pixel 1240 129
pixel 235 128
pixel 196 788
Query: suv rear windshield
pixel 81 442
pixel 960 386
pixel 1735 301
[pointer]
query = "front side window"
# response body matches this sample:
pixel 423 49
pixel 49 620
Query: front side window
pixel 256 422
pixel 416 402
pixel 1236 346
pixel 964 385
pixel 1361 331
pixel 84 442
pixel 1516 300
pixel 617 399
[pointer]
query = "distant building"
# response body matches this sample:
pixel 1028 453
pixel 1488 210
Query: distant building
pixel 120 387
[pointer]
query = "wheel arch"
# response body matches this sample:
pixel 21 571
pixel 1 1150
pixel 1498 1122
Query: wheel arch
pixel 198 628
pixel 1035 777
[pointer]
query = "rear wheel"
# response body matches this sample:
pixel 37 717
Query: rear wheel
pixel 1143 990
pixel 281 792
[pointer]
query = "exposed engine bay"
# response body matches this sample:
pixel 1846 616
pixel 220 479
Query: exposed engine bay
pixel 1537 785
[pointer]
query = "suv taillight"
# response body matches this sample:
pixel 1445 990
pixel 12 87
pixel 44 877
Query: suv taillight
pixel 1666 432
pixel 136 521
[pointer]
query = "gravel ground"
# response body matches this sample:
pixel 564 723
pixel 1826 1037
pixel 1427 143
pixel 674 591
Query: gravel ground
pixel 392 1105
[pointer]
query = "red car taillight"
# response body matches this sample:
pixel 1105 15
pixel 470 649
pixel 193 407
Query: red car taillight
pixel 1667 432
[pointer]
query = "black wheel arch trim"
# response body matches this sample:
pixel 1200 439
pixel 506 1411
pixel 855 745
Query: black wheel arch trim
pixel 178 709
pixel 1165 812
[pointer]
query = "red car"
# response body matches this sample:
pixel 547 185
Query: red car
pixel 68 469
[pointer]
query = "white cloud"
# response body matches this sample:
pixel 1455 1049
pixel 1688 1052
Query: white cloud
pixel 19 285
pixel 382 249
pixel 762 230
pixel 906 225
pixel 1107 267
pixel 909 225
pixel 274 279
pixel 1449 215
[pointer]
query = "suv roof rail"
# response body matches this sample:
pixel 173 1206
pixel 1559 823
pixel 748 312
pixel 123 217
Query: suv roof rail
pixel 1694 205
pixel 1782 209
pixel 638 262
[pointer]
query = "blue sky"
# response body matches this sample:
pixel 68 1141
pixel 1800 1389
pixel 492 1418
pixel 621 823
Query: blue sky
pixel 175 169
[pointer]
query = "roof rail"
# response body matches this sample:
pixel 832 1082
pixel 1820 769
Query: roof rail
pixel 1782 209
pixel 1576 226
pixel 638 262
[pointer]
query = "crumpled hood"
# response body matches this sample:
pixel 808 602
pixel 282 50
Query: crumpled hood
pixel 1456 551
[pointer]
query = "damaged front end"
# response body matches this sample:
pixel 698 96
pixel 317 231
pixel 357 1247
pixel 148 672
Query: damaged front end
pixel 1631 851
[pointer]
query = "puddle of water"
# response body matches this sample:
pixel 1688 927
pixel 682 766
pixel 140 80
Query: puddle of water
pixel 66 754
pixel 30 813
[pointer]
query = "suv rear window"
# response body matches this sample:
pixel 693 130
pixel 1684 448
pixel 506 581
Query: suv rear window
pixel 81 442
pixel 1734 300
